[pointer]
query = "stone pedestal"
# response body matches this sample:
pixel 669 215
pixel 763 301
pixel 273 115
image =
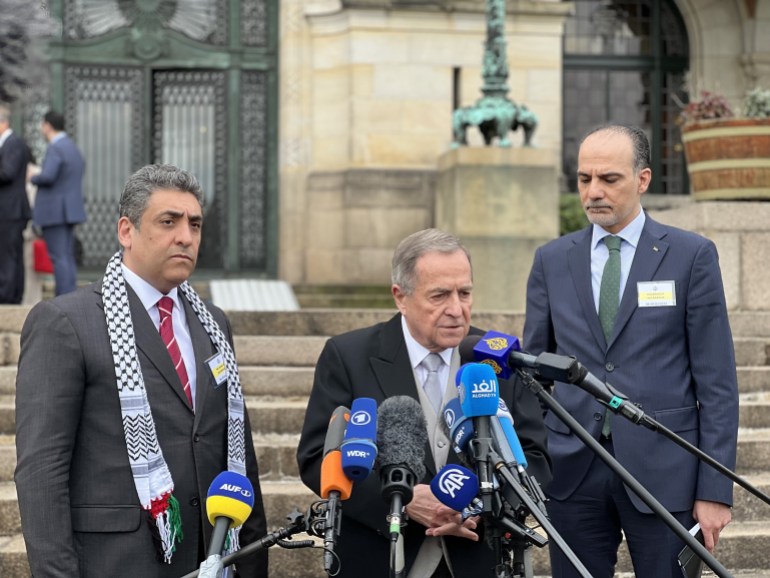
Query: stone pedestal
pixel 503 203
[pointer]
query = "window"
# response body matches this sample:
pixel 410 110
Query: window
pixel 625 61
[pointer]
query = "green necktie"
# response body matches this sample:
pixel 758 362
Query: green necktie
pixel 609 299
pixel 609 293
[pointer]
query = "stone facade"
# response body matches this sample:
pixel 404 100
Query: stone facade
pixel 367 93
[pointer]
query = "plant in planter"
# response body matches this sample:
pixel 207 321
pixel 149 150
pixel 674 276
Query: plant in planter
pixel 757 103
pixel 728 156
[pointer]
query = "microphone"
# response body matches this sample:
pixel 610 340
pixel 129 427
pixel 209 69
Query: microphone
pixel 506 422
pixel 358 449
pixel 459 428
pixel 479 390
pixel 502 355
pixel 335 486
pixel 229 502
pixel 551 367
pixel 455 487
pixel 401 432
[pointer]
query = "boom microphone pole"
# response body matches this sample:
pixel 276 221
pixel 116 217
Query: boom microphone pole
pixel 537 388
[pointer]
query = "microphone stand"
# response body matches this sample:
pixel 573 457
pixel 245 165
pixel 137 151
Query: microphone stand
pixel 298 524
pixel 569 370
pixel 537 388
pixel 486 458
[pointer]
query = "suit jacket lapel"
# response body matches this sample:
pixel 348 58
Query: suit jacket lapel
pixel 203 349
pixel 579 260
pixel 649 253
pixel 394 374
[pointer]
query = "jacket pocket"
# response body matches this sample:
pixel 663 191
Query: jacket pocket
pixel 106 518
pixel 680 420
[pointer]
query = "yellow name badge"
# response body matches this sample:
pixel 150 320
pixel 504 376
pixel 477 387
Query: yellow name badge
pixel 656 293
pixel 218 368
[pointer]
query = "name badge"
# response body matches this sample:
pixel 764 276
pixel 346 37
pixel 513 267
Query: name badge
pixel 656 293
pixel 218 368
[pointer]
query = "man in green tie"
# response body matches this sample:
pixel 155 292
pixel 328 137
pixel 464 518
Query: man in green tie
pixel 642 306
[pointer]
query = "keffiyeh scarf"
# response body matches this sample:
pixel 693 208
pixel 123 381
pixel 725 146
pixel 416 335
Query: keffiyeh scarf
pixel 152 477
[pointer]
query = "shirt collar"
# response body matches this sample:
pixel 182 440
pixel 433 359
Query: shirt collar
pixel 630 234
pixel 418 352
pixel 4 136
pixel 58 136
pixel 148 295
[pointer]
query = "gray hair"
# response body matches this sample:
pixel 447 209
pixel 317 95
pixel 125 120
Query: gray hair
pixel 416 245
pixel 638 138
pixel 150 178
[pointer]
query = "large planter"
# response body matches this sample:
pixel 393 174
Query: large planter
pixel 728 159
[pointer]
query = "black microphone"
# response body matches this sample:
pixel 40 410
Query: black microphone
pixel 553 367
pixel 401 433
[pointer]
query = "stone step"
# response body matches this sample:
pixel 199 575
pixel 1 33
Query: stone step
pixel 742 550
pixel 276 380
pixel 276 456
pixel 751 350
pixel 268 416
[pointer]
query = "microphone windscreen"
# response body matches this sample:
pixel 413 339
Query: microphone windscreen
pixel 359 449
pixel 231 496
pixel 401 435
pixel 335 433
pixel 479 391
pixel 455 486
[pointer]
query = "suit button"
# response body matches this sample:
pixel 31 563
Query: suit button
pixel 196 438
pixel 598 416
pixel 195 502
pixel 440 444
pixel 609 366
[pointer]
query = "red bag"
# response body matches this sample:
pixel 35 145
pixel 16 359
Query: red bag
pixel 41 261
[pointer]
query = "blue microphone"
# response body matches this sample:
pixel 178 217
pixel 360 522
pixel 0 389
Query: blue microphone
pixel 358 448
pixel 460 427
pixel 494 349
pixel 455 487
pixel 479 390
pixel 506 421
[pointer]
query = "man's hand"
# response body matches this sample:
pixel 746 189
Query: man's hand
pixel 439 520
pixel 712 517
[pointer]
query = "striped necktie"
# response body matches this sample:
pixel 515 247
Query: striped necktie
pixel 165 306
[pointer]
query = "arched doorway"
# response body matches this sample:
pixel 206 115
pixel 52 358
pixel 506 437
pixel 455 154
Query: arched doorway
pixel 625 61
pixel 189 82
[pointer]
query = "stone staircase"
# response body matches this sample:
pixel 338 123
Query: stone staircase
pixel 277 352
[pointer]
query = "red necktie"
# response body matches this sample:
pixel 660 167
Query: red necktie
pixel 165 306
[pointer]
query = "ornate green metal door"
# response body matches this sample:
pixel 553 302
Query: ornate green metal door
pixel 188 82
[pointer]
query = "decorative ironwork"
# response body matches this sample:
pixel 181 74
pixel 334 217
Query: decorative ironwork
pixel 494 113
pixel 254 20
pixel 253 237
pixel 190 132
pixel 202 20
pixel 104 112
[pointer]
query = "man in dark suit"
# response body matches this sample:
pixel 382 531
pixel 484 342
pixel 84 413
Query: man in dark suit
pixel 128 405
pixel 59 201
pixel 432 287
pixel 14 209
pixel 646 312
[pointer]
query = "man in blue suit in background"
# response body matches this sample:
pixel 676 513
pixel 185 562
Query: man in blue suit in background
pixel 14 209
pixel 643 309
pixel 59 201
